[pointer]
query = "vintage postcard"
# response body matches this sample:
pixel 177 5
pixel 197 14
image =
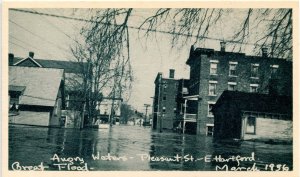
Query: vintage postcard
pixel 150 89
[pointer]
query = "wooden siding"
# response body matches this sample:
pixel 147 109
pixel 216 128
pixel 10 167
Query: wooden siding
pixel 31 118
pixel 267 128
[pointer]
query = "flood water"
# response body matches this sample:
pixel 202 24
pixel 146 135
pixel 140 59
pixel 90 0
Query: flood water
pixel 135 148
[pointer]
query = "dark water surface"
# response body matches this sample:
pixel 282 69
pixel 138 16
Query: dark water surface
pixel 135 148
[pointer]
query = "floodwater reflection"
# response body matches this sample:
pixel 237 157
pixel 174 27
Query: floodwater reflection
pixel 134 148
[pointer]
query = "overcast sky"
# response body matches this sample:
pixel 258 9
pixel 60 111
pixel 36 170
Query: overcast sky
pixel 51 38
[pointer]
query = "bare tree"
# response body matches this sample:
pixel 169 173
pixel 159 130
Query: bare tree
pixel 258 27
pixel 126 112
pixel 106 54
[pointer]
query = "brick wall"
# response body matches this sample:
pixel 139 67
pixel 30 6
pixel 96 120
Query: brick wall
pixel 165 103
pixel 199 62
pixel 168 101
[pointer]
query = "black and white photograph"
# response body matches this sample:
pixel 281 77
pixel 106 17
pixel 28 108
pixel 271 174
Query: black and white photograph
pixel 150 88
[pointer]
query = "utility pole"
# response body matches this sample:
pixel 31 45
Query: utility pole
pixel 112 110
pixel 82 116
pixel 146 105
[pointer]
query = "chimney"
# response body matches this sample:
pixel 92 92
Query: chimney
pixel 264 51
pixel 159 77
pixel 223 45
pixel 192 50
pixel 11 59
pixel 31 55
pixel 172 73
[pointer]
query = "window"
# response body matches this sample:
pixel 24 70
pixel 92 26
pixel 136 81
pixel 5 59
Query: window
pixel 209 110
pixel 209 129
pixel 254 70
pixel 164 97
pixel 68 101
pixel 14 98
pixel 212 88
pixel 164 109
pixel 232 86
pixel 185 90
pixel 63 121
pixel 251 124
pixel 232 68
pixel 274 69
pixel 253 88
pixel 213 67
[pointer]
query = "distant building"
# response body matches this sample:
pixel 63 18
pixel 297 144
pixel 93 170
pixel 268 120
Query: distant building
pixel 109 110
pixel 36 96
pixel 166 109
pixel 73 85
pixel 253 116
pixel 212 72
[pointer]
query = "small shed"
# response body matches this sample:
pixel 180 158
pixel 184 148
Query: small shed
pixel 252 116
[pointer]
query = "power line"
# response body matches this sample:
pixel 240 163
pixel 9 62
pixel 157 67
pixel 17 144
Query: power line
pixel 29 44
pixel 60 48
pixel 58 29
pixel 18 45
pixel 63 21
pixel 134 27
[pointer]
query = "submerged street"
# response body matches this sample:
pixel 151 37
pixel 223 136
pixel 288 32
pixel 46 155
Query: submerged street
pixel 136 148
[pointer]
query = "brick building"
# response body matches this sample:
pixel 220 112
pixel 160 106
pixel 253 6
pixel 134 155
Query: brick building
pixel 166 109
pixel 212 72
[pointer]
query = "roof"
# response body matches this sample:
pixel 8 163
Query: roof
pixel 68 66
pixel 256 102
pixel 229 55
pixel 31 59
pixel 41 84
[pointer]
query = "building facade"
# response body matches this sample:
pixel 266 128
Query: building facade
pixel 165 106
pixel 109 110
pixel 212 72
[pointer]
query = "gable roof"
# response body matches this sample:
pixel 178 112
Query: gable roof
pixel 68 66
pixel 30 59
pixel 41 84
pixel 256 102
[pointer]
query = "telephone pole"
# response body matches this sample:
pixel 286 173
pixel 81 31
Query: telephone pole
pixel 146 105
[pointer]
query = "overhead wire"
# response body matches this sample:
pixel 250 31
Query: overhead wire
pixel 134 27
pixel 58 29
pixel 22 27
pixel 27 43
pixel 19 45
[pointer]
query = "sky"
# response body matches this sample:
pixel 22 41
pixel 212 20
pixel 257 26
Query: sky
pixel 51 38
